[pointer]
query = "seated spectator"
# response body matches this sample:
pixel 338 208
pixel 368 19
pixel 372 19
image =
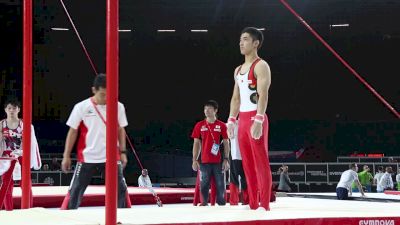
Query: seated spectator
pixel 144 179
pixel 55 165
pixel 45 167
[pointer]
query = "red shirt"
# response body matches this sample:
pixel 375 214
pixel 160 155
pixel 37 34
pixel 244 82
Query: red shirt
pixel 201 131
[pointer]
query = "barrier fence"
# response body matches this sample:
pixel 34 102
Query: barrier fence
pixel 301 173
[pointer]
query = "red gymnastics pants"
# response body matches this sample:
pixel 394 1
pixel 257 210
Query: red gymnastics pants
pixel 255 161
pixel 7 187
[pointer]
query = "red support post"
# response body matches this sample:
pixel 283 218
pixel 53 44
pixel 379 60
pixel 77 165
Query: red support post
pixel 112 44
pixel 27 103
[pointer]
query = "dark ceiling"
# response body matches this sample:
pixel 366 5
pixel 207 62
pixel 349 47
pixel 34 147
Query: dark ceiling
pixel 308 82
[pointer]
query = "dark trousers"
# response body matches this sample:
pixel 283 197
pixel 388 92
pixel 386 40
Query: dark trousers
pixel 236 171
pixel 81 179
pixel 197 195
pixel 342 193
pixel 208 170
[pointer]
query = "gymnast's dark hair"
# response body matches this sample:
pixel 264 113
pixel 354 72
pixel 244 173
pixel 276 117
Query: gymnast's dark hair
pixel 12 101
pixel 255 34
pixel 99 81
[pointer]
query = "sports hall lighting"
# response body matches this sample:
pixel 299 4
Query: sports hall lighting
pixel 166 31
pixel 262 28
pixel 340 25
pixel 199 31
pixel 124 30
pixel 59 29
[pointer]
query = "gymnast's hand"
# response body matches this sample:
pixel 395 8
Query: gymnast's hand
pixel 256 130
pixel 66 164
pixel 231 130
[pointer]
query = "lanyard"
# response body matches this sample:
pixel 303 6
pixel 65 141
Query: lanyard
pixel 212 136
pixel 98 112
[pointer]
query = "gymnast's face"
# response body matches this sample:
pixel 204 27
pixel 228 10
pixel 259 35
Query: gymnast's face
pixel 247 44
pixel 99 95
pixel 12 111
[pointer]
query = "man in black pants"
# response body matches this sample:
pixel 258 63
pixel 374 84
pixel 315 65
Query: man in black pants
pixel 88 126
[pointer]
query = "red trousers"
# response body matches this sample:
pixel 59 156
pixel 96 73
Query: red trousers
pixel 7 187
pixel 234 194
pixel 255 161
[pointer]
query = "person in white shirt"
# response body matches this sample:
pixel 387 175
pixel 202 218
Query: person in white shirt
pixel 386 181
pixel 237 177
pixel 398 180
pixel 378 175
pixel 144 179
pixel 344 186
pixel 88 128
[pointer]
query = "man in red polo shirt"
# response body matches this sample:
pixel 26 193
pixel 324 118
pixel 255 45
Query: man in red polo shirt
pixel 207 137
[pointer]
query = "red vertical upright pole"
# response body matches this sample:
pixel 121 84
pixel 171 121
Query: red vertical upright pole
pixel 112 111
pixel 27 103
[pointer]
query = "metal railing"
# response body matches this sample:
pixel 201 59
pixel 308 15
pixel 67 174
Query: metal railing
pixel 350 159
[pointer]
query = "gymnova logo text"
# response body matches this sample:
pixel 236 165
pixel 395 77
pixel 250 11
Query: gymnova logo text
pixel 376 222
